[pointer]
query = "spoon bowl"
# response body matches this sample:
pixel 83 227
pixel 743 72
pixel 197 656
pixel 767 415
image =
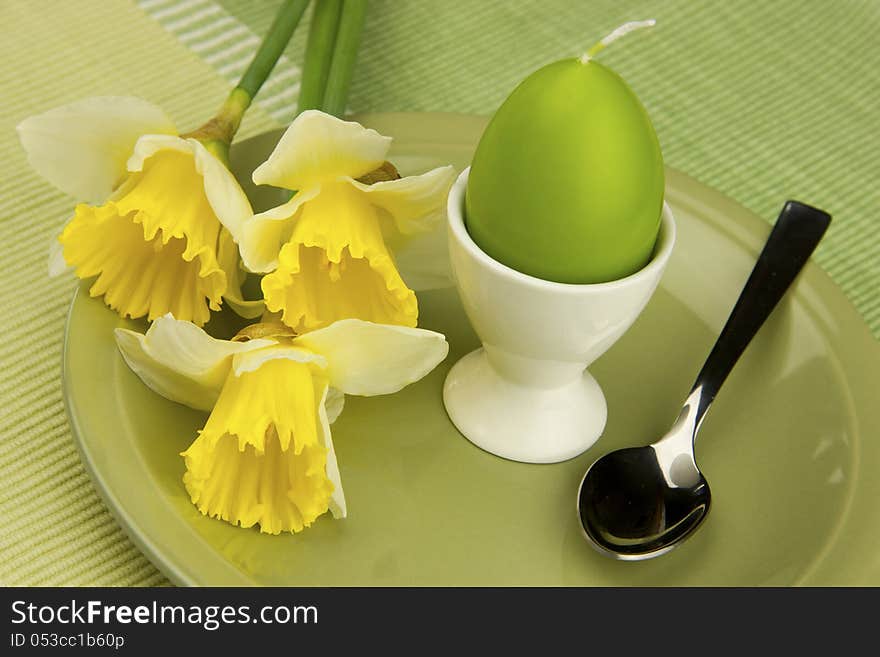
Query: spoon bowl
pixel 629 510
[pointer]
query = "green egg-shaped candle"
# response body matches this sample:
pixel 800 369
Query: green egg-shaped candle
pixel 567 181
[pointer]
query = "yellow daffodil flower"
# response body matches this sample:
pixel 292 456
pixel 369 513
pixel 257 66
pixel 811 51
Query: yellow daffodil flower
pixel 265 456
pixel 329 248
pixel 161 214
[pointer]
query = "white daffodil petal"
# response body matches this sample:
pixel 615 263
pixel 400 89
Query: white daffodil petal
pixel 82 148
pixel 225 195
pixel 252 360
pixel 264 234
pixel 180 361
pixel 318 147
pixel 228 259
pixel 335 402
pixel 415 203
pixel 375 359
pixel 337 498
pixel 423 261
pixel 159 377
pixel 57 265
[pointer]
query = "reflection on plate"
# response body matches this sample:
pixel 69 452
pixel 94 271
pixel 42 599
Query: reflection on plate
pixel 790 446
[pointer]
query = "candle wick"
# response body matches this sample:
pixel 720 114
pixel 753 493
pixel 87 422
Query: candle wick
pixel 626 28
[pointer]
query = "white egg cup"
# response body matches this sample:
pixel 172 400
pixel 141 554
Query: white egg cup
pixel 526 395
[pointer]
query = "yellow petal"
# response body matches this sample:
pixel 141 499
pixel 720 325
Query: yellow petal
pixel 153 248
pixel 319 148
pixel 261 457
pixel 336 266
pixel 81 148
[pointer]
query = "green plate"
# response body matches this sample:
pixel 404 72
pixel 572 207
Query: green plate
pixel 790 447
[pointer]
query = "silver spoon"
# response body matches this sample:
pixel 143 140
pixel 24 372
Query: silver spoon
pixel 640 502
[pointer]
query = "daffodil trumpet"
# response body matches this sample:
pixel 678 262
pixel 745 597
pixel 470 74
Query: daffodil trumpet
pixel 329 252
pixel 265 455
pixel 160 214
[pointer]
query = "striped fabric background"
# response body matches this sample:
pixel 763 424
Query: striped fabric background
pixel 227 44
pixel 762 100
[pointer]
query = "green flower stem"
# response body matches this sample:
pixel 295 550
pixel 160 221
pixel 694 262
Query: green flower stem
pixel 217 133
pixel 348 38
pixel 319 51
pixel 273 45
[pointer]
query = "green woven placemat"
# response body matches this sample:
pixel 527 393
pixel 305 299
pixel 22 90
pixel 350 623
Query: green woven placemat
pixel 762 100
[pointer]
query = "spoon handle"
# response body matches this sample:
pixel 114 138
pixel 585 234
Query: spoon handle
pixel 793 239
